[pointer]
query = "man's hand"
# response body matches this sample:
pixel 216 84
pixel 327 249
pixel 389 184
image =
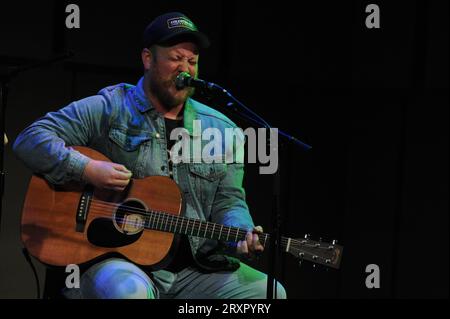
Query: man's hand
pixel 107 175
pixel 251 245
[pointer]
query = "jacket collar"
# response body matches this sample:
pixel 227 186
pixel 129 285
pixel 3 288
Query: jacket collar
pixel 143 104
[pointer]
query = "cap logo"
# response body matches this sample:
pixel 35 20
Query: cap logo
pixel 181 22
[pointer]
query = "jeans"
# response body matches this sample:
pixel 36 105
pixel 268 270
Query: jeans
pixel 119 279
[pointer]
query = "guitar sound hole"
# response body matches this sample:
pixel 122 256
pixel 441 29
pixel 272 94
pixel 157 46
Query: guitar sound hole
pixel 129 218
pixel 123 230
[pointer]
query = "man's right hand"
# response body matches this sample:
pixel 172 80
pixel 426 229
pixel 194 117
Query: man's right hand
pixel 107 175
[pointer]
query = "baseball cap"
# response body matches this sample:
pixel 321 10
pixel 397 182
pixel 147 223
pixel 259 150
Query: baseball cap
pixel 171 28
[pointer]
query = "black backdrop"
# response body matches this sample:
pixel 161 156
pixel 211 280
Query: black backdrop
pixel 373 103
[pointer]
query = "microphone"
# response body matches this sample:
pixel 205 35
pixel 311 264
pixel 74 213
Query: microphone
pixel 184 79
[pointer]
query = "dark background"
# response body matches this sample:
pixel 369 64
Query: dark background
pixel 373 103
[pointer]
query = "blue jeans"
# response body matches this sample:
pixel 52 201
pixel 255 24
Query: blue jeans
pixel 119 279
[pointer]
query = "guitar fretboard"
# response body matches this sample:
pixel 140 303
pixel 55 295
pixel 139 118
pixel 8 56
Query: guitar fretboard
pixel 194 227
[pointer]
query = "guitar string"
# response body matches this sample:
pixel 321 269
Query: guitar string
pixel 163 218
pixel 203 225
pixel 296 249
pixel 234 232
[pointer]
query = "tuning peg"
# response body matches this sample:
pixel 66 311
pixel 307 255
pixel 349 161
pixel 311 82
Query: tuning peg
pixel 334 242
pixel 307 236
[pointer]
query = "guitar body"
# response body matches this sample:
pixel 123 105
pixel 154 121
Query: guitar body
pixel 52 233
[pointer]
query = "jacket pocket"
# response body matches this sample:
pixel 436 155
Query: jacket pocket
pixel 128 140
pixel 127 148
pixel 209 172
pixel 205 179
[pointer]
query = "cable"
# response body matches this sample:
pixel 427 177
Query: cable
pixel 36 277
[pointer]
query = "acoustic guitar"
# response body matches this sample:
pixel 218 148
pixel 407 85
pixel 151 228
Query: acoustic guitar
pixel 75 223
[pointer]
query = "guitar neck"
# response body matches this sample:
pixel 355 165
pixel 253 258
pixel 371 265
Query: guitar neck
pixel 195 227
pixel 317 252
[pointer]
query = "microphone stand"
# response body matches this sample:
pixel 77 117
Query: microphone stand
pixel 244 112
pixel 6 75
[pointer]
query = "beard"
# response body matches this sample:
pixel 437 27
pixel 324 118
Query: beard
pixel 163 88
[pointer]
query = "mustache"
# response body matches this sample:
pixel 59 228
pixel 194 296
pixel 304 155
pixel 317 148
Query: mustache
pixel 159 83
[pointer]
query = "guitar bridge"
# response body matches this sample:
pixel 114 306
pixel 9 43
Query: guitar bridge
pixel 83 208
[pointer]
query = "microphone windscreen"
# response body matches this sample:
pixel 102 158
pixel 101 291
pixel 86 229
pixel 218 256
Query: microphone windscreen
pixel 181 80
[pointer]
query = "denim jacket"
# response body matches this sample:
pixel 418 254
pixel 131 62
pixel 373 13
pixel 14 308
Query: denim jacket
pixel 121 123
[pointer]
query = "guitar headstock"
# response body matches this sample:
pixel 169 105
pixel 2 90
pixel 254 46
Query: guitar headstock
pixel 319 252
